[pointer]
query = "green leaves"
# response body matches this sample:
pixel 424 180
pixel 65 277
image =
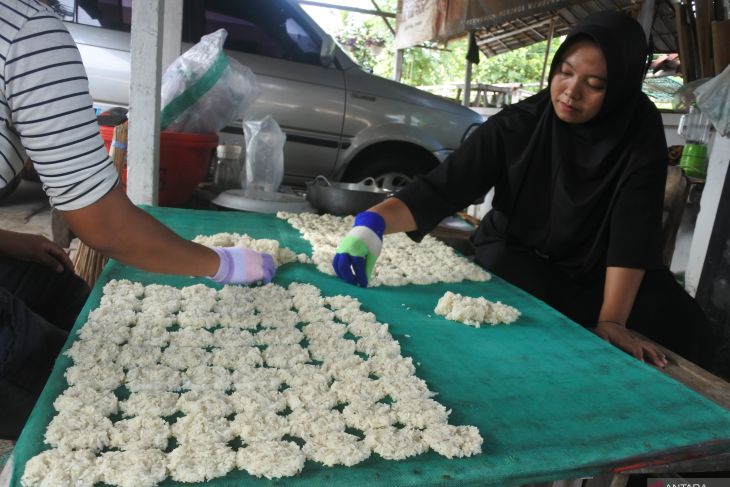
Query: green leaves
pixel 369 41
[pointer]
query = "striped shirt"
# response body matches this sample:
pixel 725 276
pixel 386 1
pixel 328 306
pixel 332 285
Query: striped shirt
pixel 46 111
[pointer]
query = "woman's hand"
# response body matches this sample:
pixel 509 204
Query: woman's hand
pixel 355 259
pixel 34 248
pixel 624 339
pixel 239 265
pixel 359 249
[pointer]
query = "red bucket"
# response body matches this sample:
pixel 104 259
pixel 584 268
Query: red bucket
pixel 184 160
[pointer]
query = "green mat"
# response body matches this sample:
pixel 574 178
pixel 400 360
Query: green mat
pixel 551 400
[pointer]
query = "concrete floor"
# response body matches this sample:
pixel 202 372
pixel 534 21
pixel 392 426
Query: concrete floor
pixel 26 210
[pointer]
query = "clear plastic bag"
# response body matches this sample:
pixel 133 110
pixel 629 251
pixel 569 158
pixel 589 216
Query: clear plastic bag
pixel 204 90
pixel 684 97
pixel 713 98
pixel 264 154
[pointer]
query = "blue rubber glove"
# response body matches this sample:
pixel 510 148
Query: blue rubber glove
pixel 358 251
pixel 239 265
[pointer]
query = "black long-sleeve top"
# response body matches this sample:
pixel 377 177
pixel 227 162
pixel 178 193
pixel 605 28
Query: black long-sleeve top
pixel 582 199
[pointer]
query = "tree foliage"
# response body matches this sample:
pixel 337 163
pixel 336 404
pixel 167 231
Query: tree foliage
pixel 371 44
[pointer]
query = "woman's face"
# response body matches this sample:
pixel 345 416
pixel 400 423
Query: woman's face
pixel 579 83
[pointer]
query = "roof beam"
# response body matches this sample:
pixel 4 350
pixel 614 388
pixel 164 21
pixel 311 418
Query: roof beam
pixel 513 32
pixel 378 13
pixel 532 28
pixel 385 19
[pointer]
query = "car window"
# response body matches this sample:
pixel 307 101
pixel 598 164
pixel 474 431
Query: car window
pixel 304 41
pixel 243 35
pixel 64 8
pixel 267 28
pixel 109 14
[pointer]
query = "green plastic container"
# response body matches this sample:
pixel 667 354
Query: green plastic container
pixel 694 160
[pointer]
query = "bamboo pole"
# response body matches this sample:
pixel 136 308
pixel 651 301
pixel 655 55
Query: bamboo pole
pixel 720 44
pixel 687 41
pixel 551 31
pixel 704 14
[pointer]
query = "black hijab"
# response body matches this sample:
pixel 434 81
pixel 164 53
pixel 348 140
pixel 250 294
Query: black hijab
pixel 590 195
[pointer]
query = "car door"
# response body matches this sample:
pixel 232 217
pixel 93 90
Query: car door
pixel 277 41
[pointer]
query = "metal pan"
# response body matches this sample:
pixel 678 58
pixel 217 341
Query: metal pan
pixel 344 198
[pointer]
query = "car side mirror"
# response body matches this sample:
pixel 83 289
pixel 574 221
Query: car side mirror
pixel 327 52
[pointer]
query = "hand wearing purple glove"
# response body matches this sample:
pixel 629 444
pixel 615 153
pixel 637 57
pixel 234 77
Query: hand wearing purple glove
pixel 240 265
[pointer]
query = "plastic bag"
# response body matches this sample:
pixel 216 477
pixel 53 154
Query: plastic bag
pixel 713 98
pixel 204 90
pixel 264 154
pixel 685 97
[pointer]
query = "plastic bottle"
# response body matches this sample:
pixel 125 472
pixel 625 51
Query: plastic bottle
pixel 695 128
pixel 228 167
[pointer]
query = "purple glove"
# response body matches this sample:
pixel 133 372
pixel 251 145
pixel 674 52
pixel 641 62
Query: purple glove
pixel 240 265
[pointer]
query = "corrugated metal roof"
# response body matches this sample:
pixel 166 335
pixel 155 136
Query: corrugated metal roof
pixel 534 28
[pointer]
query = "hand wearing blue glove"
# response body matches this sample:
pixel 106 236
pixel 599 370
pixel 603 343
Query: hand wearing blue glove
pixel 239 265
pixel 358 251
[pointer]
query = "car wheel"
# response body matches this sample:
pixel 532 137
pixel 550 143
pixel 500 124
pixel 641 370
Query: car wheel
pixel 390 171
pixel 393 180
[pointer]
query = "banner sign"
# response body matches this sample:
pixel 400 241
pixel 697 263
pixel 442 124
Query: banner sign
pixel 428 20
pixel 452 24
pixel 418 21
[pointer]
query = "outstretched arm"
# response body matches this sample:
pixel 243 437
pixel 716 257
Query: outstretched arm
pixel 397 216
pixel 355 259
pixel 57 128
pixel 120 230
pixel 619 293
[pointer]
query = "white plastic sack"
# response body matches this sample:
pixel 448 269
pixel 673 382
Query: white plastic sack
pixel 713 98
pixel 204 90
pixel 685 96
pixel 264 154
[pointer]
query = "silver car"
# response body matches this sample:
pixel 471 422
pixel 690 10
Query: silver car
pixel 340 121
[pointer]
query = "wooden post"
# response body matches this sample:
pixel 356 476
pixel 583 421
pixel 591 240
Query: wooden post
pixel 398 68
pixel 467 84
pixel 721 44
pixel 685 55
pixel 704 12
pixel 551 31
pixel 143 167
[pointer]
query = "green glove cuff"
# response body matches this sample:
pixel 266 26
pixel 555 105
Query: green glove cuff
pixel 353 246
pixel 357 248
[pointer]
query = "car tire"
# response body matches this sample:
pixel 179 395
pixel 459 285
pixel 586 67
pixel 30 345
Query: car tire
pixel 391 171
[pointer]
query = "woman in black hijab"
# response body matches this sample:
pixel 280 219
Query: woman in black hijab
pixel 579 172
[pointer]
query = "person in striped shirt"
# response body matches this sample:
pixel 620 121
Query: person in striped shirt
pixel 46 115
